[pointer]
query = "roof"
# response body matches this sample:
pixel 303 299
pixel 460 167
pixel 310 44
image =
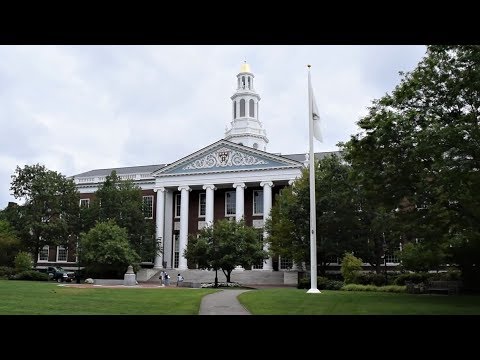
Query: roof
pixel 318 155
pixel 152 168
pixel 122 170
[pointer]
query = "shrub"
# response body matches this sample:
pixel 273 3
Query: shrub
pixel 322 284
pixel 389 288
pixel 6 271
pixel 351 265
pixel 369 279
pixel 334 285
pixel 415 278
pixel 30 275
pixel 23 262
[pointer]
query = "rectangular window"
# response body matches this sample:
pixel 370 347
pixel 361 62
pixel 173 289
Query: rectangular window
pixel 202 204
pixel 148 206
pixel 230 203
pixel 257 202
pixel 285 263
pixel 43 255
pixel 84 203
pixel 178 199
pixel 61 254
pixel 176 253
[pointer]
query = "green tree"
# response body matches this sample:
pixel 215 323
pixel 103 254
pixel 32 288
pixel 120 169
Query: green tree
pixel 9 244
pixel 122 201
pixel 23 262
pixel 419 257
pixel 418 154
pixel 106 251
pixel 336 210
pixel 49 214
pixel 224 245
pixel 351 265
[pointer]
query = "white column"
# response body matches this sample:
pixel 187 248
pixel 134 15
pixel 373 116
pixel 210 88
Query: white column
pixel 168 229
pixel 159 222
pixel 267 206
pixel 209 197
pixel 182 261
pixel 239 208
pixel 240 200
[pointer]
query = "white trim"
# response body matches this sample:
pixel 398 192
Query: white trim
pixel 66 254
pixel 177 205
pixel 199 204
pixel 48 254
pixel 253 203
pixel 221 143
pixel 233 195
pixel 151 205
pixel 87 200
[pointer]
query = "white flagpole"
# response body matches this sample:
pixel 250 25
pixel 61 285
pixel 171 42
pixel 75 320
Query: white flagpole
pixel 313 216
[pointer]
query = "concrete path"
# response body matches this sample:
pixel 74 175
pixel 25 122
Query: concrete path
pixel 223 303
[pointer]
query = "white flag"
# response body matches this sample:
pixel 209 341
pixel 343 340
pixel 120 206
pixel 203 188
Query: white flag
pixel 315 116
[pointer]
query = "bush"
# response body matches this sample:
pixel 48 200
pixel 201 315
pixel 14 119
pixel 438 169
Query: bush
pixel 334 285
pixel 322 284
pixel 30 275
pixel 415 278
pixel 351 265
pixel 370 279
pixel 6 271
pixel 23 262
pixel 389 288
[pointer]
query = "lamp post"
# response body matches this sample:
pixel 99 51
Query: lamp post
pixel 385 258
pixel 78 262
pixel 215 248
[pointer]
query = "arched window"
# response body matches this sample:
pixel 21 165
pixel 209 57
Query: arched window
pixel 243 82
pixel 251 108
pixel 242 108
pixel 249 82
pixel 234 109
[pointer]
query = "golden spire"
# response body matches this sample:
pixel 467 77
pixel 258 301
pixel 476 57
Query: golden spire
pixel 245 67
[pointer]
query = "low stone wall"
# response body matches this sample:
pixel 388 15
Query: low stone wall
pixel 189 284
pixel 108 281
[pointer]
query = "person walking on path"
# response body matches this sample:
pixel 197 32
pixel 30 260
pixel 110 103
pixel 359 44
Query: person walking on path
pixel 179 279
pixel 162 278
pixel 167 279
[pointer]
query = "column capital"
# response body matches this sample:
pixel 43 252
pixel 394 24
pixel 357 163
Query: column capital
pixel 184 187
pixel 161 189
pixel 235 185
pixel 266 183
pixel 209 186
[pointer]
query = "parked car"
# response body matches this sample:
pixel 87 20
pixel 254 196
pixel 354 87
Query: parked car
pixel 58 274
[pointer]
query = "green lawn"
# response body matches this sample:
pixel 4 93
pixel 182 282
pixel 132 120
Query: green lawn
pixel 47 298
pixel 298 302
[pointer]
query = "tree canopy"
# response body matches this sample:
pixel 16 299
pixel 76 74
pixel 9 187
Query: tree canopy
pixel 105 250
pixel 224 245
pixel 122 201
pixel 418 155
pixel 336 210
pixel 49 214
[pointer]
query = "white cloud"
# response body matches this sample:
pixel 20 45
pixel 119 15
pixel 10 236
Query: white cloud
pixel 77 108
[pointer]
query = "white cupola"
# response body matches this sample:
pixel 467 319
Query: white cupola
pixel 246 128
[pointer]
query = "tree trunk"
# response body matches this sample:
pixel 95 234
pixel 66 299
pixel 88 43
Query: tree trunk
pixel 227 274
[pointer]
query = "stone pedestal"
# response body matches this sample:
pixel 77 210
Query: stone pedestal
pixel 129 279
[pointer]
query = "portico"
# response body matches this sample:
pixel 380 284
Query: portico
pixel 223 180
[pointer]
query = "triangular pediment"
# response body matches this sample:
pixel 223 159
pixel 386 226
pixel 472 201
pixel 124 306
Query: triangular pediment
pixel 225 156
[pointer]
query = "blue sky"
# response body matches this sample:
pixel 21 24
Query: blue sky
pixel 78 108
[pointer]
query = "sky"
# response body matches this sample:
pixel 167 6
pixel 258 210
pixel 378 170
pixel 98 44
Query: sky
pixel 79 108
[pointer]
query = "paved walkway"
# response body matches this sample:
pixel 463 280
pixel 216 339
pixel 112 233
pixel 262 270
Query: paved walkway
pixel 223 302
